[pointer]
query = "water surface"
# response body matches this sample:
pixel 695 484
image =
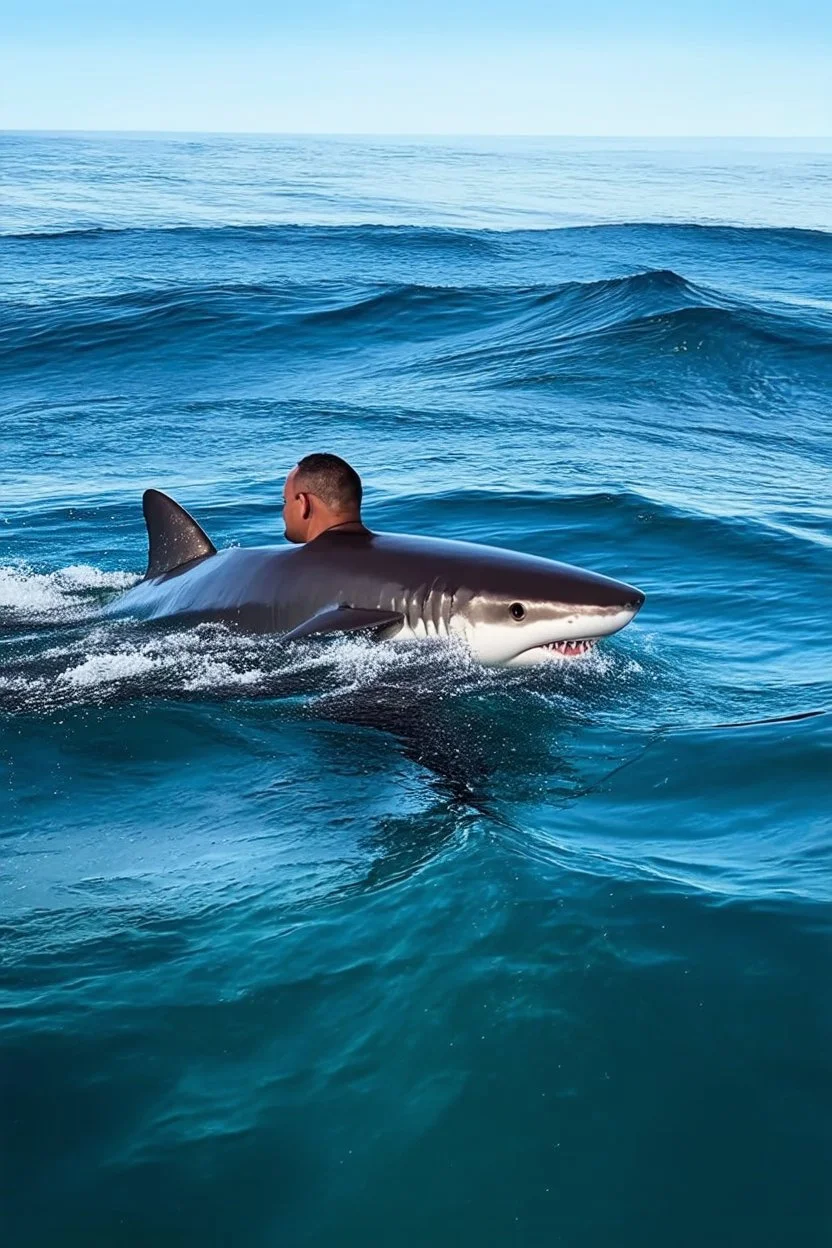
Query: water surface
pixel 343 944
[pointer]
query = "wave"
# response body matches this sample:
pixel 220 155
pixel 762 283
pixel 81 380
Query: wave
pixel 591 527
pixel 725 341
pixel 693 849
pixel 452 236
pixel 495 327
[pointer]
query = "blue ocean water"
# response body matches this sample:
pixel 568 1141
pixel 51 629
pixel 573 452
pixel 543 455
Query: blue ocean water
pixel 343 944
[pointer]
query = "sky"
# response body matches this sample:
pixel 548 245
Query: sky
pixel 586 67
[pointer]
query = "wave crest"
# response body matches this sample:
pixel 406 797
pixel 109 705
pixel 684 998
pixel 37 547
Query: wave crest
pixel 329 317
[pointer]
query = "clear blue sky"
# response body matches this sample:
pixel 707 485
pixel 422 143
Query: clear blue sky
pixel 586 67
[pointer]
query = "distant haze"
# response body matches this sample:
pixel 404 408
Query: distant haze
pixel 531 67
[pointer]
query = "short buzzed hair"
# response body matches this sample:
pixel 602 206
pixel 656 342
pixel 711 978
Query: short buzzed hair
pixel 333 480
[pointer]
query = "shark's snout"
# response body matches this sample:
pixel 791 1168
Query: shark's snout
pixel 564 618
pixel 603 592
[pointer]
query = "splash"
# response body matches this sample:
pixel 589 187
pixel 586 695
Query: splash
pixel 68 656
pixel 61 596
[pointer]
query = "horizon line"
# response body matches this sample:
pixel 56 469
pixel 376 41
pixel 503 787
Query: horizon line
pixel 421 134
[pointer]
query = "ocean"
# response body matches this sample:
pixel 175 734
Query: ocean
pixel 344 944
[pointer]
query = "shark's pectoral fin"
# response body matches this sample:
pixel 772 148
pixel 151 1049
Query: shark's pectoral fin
pixel 343 620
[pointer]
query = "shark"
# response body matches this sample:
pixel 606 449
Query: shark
pixel 510 609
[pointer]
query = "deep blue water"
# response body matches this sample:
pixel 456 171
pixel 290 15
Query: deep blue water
pixel 340 944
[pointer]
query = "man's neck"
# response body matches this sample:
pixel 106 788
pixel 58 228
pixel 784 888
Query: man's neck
pixel 341 524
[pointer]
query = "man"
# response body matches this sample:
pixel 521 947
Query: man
pixel 321 493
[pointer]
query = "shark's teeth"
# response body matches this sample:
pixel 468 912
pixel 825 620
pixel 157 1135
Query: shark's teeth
pixel 569 649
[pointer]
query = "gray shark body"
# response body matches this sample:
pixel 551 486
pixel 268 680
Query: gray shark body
pixel 509 608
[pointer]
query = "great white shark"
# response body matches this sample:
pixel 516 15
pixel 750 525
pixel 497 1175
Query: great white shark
pixel 511 609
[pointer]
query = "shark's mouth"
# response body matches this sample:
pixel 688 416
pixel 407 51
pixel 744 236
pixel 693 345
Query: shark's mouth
pixel 568 649
pixel 551 651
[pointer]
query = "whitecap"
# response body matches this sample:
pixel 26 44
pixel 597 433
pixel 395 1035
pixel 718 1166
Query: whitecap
pixel 62 595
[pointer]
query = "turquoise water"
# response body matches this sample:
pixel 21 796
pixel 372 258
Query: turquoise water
pixel 343 944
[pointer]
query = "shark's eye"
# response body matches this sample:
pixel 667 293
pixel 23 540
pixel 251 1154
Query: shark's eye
pixel 518 611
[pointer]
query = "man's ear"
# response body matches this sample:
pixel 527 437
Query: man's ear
pixel 306 504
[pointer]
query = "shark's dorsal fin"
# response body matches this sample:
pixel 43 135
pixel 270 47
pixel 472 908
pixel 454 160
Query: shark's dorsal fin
pixel 173 536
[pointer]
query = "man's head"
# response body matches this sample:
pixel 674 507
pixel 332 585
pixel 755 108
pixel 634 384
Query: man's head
pixel 320 491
